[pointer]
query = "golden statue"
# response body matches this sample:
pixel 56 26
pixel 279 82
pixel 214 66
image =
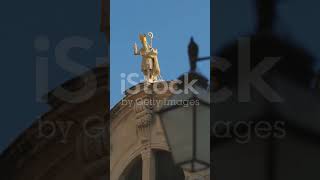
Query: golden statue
pixel 149 66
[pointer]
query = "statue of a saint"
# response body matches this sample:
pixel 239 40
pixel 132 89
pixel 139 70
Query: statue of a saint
pixel 149 66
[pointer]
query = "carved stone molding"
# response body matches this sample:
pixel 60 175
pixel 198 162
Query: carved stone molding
pixel 148 164
pixel 92 148
pixel 143 110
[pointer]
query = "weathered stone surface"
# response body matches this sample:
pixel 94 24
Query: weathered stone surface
pixel 68 142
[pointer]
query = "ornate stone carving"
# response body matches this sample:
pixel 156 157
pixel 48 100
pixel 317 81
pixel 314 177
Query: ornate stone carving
pixel 93 141
pixel 143 109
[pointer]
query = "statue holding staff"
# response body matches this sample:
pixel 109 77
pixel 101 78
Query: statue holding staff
pixel 149 65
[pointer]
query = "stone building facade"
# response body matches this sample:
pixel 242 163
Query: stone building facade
pixel 138 149
pixel 68 142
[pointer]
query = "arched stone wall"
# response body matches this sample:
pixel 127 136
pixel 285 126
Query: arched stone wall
pixel 135 131
pixel 63 152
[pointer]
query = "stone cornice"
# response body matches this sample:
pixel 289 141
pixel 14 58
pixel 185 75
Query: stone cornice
pixel 97 76
pixel 120 107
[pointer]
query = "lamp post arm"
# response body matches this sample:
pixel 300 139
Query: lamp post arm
pixel 205 58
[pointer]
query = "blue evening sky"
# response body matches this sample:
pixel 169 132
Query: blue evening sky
pixel 172 22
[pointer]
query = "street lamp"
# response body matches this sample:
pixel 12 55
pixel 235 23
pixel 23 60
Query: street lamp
pixel 186 121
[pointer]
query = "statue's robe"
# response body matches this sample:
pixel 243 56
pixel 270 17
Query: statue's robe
pixel 150 62
pixel 156 67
